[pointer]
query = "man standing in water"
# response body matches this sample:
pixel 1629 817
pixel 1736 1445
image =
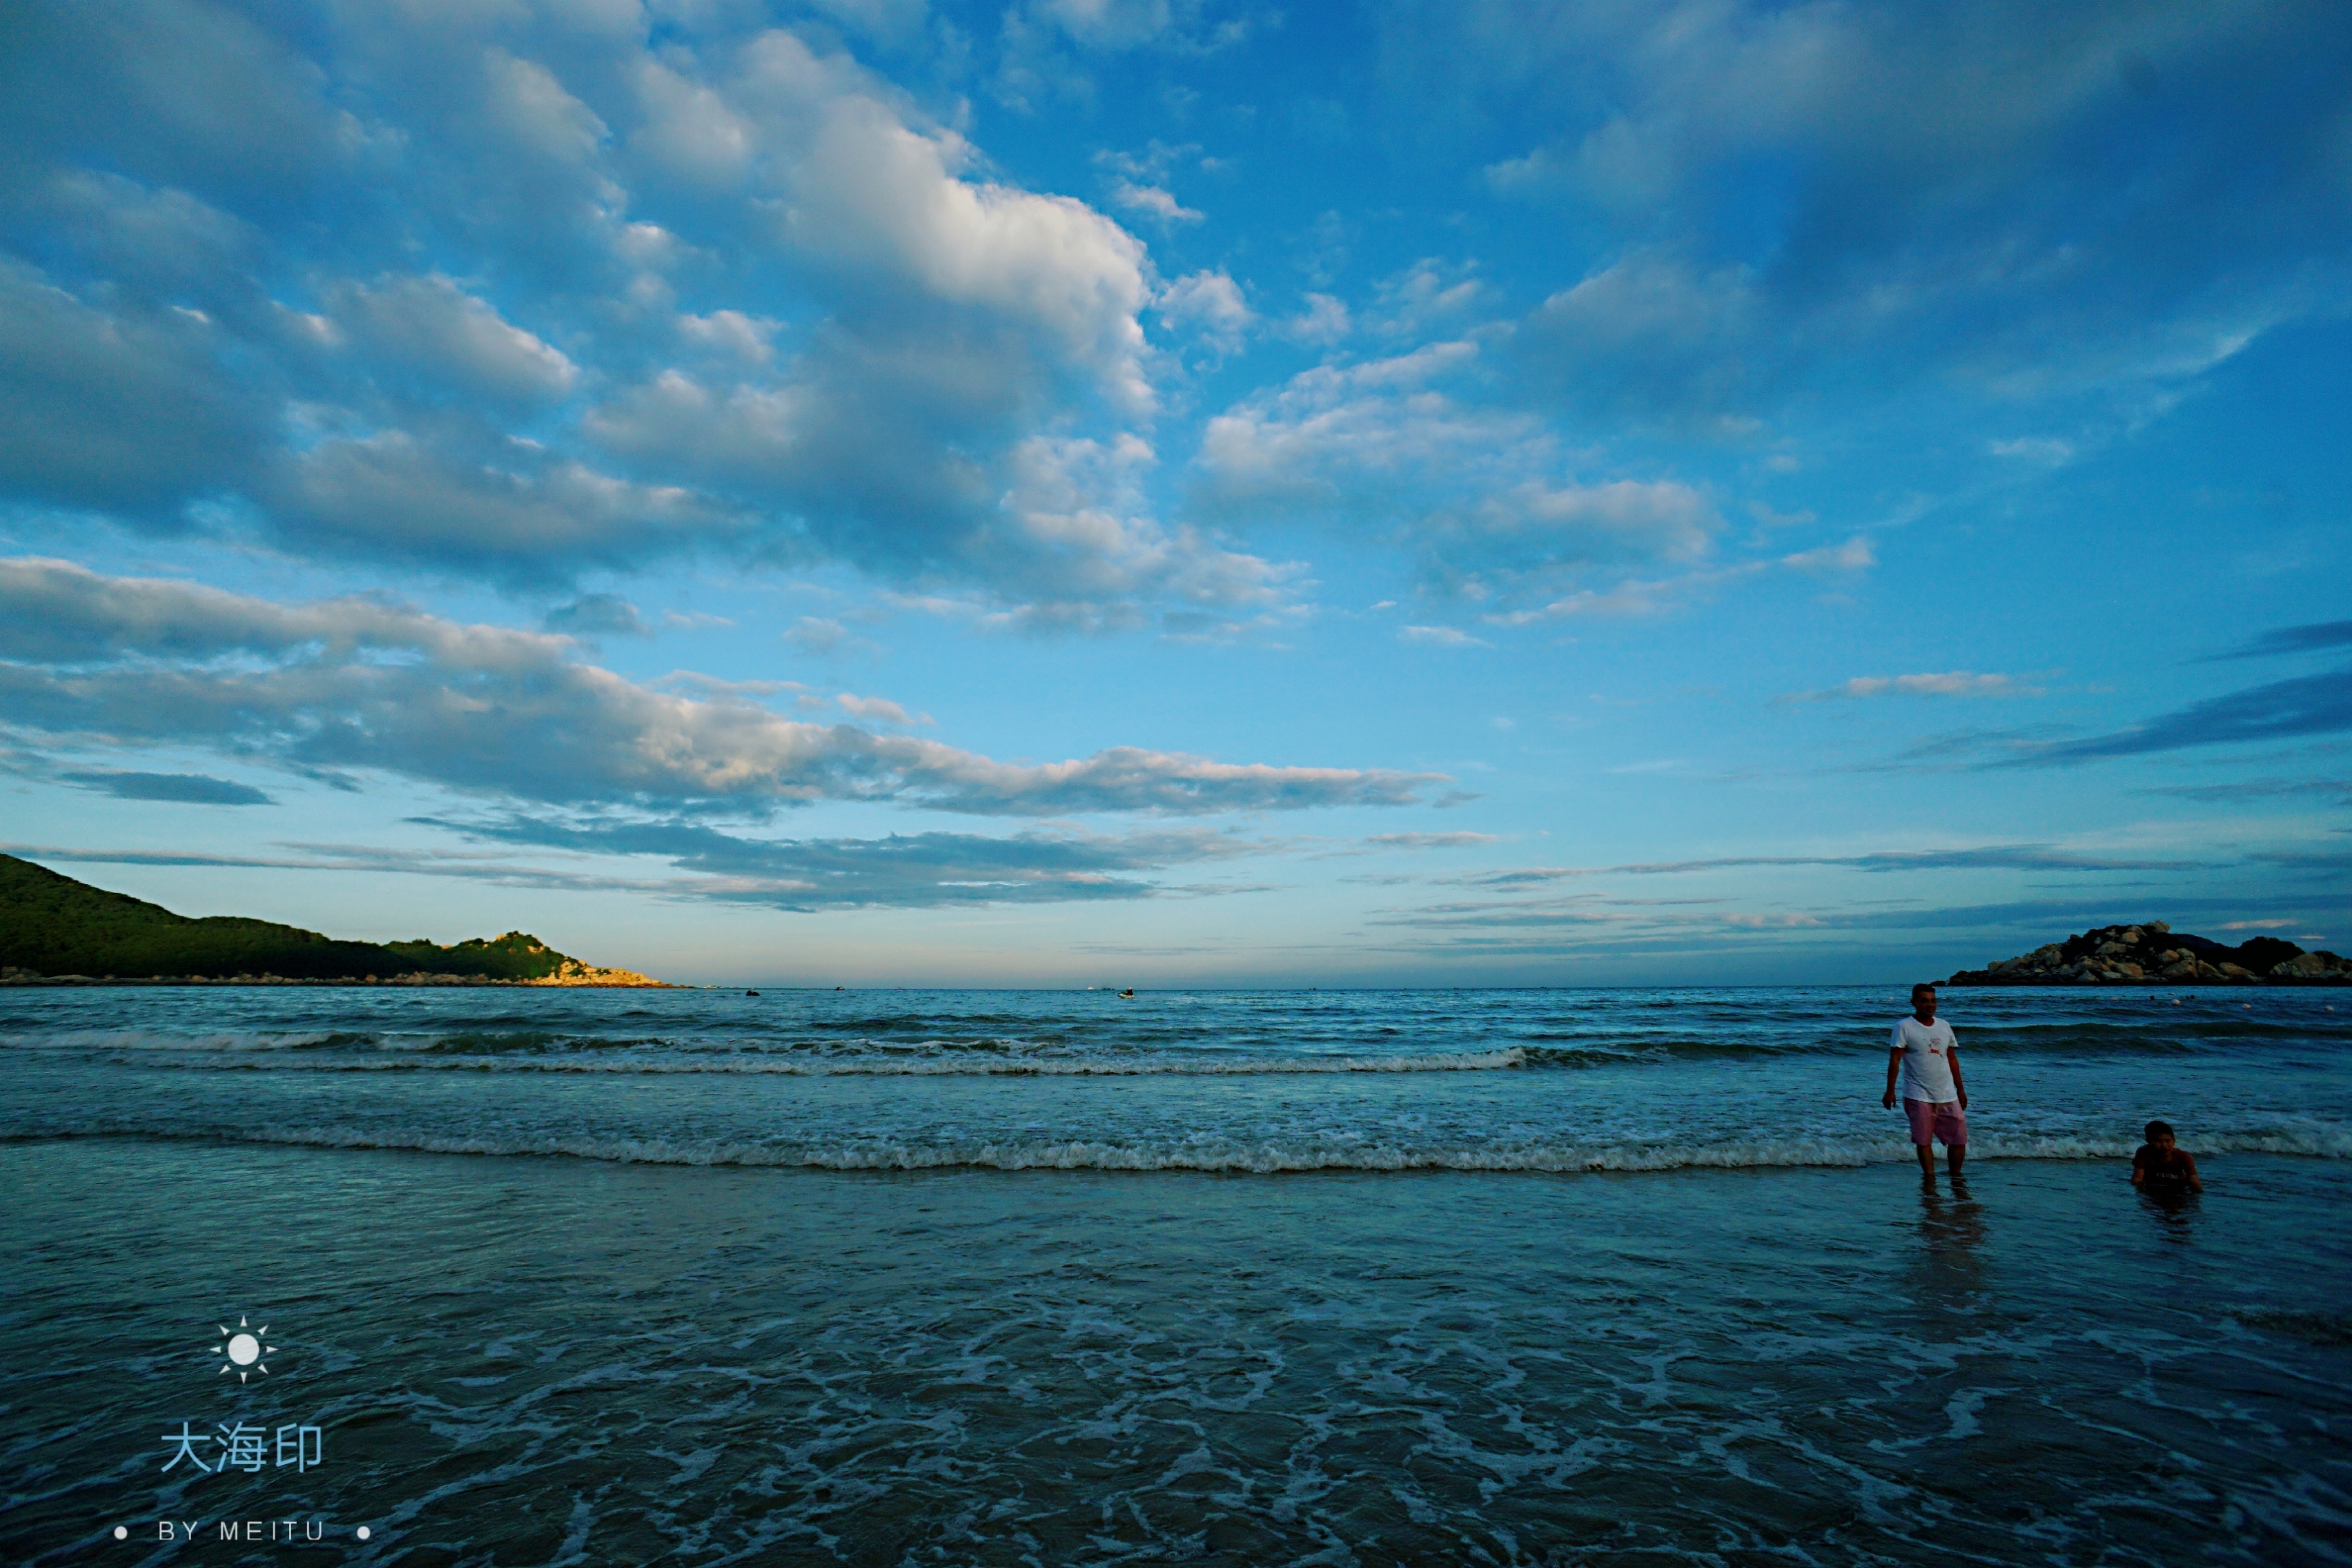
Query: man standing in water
pixel 1925 1065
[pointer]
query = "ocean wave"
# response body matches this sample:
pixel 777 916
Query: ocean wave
pixel 1047 1050
pixel 1226 1158
pixel 2315 1328
pixel 748 1065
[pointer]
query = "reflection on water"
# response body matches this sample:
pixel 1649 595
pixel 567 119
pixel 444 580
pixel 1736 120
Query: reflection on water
pixel 1953 1230
pixel 551 1360
pixel 2175 1212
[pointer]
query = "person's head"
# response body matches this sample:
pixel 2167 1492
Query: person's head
pixel 2159 1134
pixel 1923 1001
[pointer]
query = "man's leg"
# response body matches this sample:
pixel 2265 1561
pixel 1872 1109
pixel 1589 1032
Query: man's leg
pixel 1921 1118
pixel 1956 1152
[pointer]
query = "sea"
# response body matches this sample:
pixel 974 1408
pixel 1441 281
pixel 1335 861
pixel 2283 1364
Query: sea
pixel 498 1276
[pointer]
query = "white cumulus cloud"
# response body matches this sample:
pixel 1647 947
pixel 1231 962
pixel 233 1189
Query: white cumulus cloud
pixel 363 684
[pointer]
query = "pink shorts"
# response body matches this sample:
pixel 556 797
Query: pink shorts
pixel 1937 1118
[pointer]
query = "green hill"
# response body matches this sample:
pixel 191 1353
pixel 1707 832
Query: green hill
pixel 513 956
pixel 53 925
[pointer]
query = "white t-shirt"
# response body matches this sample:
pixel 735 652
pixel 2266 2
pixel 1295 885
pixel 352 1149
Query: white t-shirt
pixel 1926 1070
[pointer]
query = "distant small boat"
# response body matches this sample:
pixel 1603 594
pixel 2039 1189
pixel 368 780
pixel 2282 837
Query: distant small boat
pixel 1129 992
pixel 751 992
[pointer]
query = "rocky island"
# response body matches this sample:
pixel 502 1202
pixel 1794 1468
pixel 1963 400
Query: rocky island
pixel 2154 954
pixel 55 930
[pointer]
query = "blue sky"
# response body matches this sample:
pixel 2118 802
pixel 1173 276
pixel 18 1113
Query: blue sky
pixel 1142 492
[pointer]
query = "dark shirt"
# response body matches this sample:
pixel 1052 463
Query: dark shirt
pixel 2162 1171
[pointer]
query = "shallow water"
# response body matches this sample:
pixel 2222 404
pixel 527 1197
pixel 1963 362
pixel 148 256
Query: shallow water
pixel 1064 1316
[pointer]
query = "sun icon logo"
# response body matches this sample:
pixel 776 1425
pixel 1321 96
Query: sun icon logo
pixel 244 1350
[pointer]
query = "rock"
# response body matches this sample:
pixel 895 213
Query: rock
pixel 2150 953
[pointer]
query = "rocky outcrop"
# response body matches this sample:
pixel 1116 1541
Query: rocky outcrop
pixel 2152 954
pixel 576 973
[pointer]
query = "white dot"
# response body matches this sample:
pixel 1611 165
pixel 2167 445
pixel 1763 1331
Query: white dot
pixel 121 1532
pixel 365 1532
pixel 244 1350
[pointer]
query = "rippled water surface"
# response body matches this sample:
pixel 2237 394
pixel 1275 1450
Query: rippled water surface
pixel 1508 1277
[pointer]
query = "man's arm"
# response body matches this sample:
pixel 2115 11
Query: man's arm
pixel 1894 1066
pixel 2196 1183
pixel 2139 1169
pixel 1952 1058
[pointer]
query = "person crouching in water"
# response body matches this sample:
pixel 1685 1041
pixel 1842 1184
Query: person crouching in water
pixel 1925 1065
pixel 2161 1168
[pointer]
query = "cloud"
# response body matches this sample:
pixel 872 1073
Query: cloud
pixel 920 870
pixel 555 294
pixel 596 615
pixel 879 708
pixel 1635 927
pixel 1532 534
pixel 2284 709
pixel 1997 858
pixel 1634 596
pixel 1325 320
pixel 1474 487
pixel 116 410
pixel 2255 789
pixel 1953 683
pixel 1154 201
pixel 1912 195
pixel 1432 295
pixel 1681 936
pixel 359 684
pixel 429 329
pixel 1650 334
pixel 1408 444
pixel 1440 637
pixel 2294 639
pixel 196 789
pixel 2034 448
pixel 1336 433
pixel 514 512
pixel 1047 49
pixel 1211 304
pixel 1072 509
pixel 818 635
pixel 172 91
pixel 1429 840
